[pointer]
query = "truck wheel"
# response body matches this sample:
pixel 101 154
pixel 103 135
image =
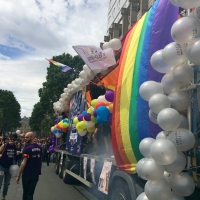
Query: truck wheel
pixel 120 191
pixel 61 168
pixel 57 163
pixel 67 178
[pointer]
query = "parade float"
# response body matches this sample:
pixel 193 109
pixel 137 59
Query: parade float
pixel 151 103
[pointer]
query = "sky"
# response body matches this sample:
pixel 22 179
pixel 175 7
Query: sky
pixel 32 30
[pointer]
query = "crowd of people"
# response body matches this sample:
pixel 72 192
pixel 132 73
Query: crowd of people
pixel 28 153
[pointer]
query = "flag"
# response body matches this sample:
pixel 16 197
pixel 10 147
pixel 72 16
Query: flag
pixel 62 67
pixel 95 57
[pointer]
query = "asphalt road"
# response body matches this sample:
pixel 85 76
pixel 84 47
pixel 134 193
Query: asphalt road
pixel 50 187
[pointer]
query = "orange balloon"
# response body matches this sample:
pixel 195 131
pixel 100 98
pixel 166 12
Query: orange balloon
pixel 100 104
pixel 111 107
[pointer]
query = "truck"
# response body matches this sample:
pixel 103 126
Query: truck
pixel 130 122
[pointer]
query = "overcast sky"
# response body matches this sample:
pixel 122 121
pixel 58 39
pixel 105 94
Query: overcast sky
pixel 32 30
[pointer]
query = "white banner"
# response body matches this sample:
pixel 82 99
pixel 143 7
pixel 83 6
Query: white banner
pixel 85 167
pixel 95 57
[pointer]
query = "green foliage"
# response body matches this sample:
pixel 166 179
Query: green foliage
pixel 9 111
pixel 52 88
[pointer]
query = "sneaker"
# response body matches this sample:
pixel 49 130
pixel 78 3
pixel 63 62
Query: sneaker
pixel 3 198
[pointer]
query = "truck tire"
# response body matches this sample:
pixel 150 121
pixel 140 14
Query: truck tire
pixel 120 191
pixel 61 168
pixel 67 178
pixel 57 163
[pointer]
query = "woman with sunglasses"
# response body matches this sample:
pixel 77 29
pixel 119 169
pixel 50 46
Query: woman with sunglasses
pixel 8 151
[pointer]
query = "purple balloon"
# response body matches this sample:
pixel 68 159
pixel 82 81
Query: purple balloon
pixel 109 120
pixel 80 118
pixel 87 117
pixel 109 96
pixel 95 113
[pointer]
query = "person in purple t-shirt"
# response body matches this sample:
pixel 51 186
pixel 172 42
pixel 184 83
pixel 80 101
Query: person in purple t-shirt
pixel 30 167
pixel 8 151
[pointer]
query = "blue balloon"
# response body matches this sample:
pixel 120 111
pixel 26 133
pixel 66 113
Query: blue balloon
pixel 103 112
pixel 64 120
pixel 55 130
pixel 84 112
pixel 100 120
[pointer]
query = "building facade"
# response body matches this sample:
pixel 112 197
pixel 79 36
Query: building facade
pixel 24 125
pixel 122 14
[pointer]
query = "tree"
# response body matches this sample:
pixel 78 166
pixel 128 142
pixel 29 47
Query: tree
pixel 9 111
pixel 56 81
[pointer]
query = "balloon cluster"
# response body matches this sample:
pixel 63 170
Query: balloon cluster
pixel 99 112
pixel 164 158
pixel 60 128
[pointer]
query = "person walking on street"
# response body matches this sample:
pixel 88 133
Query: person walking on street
pixel 7 153
pixel 30 167
pixel 18 157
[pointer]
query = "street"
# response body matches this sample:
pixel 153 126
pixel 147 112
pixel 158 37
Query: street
pixel 50 187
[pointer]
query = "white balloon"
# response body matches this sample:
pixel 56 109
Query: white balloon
pixel 89 124
pixel 145 146
pixel 174 196
pixel 178 165
pixel 193 51
pixel 158 102
pixel 69 86
pixel 174 54
pixel 65 90
pixel 102 99
pixel 166 176
pixel 58 135
pixel 163 151
pixel 184 122
pixel 187 4
pixel 151 170
pixel 162 135
pixel 179 100
pixel 182 184
pixel 149 88
pixel 159 64
pixel 168 83
pixel 18 132
pixel 183 74
pixel 153 117
pixel 82 133
pixel 157 190
pixel 174 2
pixel 14 169
pixel 142 196
pixel 139 168
pixel 86 69
pixel 83 74
pixel 106 45
pixel 115 44
pixel 185 29
pixel 182 138
pixel 169 119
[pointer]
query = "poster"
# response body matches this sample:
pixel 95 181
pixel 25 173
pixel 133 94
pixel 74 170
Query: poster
pixel 77 106
pixel 85 167
pixel 104 177
pixel 92 170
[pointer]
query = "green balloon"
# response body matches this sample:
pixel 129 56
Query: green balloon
pixel 94 102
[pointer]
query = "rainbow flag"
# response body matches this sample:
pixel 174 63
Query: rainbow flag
pixel 62 67
pixel 130 122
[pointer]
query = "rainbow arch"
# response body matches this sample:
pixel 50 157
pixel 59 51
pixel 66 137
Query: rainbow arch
pixel 130 122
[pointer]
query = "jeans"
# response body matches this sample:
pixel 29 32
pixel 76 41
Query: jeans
pixel 29 183
pixel 18 162
pixel 4 174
